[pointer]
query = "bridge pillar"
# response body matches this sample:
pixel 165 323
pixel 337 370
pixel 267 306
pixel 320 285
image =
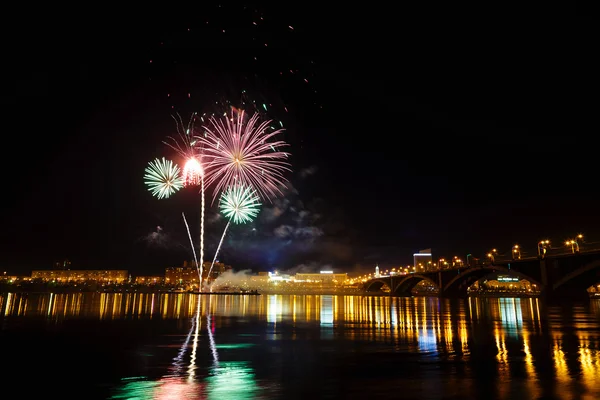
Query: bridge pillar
pixel 391 286
pixel 544 273
pixel 440 281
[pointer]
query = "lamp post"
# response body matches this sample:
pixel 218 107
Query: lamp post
pixel 574 245
pixel 516 252
pixel 577 239
pixel 542 248
pixel 491 257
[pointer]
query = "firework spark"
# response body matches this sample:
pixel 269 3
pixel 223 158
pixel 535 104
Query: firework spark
pixel 238 152
pixel 192 172
pixel 185 144
pixel 162 178
pixel 240 204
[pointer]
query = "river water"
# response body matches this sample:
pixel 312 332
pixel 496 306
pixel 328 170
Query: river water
pixel 178 346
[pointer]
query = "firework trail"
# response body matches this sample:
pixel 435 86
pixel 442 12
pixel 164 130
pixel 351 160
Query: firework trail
pixel 201 236
pixel 187 145
pixel 217 252
pixel 162 178
pixel 193 250
pixel 239 204
pixel 238 152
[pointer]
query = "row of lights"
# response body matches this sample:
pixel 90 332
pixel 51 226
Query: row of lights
pixel 542 248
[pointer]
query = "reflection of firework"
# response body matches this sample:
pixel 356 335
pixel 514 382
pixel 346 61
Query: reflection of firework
pixel 240 204
pixel 162 178
pixel 238 152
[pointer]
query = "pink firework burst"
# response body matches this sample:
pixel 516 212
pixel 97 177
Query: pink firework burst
pixel 238 151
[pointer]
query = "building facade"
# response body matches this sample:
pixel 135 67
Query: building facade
pixel 322 278
pixel 422 260
pixel 80 275
pixel 149 280
pixel 188 274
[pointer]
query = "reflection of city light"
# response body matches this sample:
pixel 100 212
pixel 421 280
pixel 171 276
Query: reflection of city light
pixel 560 363
pixel 427 342
pixel 510 313
pixel 530 368
pixel 326 310
pixel 393 316
pixel 273 309
pixel 502 356
pixel 589 364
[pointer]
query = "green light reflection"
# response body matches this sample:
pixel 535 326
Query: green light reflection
pixel 136 390
pixel 234 346
pixel 232 380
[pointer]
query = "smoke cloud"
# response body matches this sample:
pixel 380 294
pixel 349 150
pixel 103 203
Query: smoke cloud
pixel 313 267
pixel 288 233
pixel 232 280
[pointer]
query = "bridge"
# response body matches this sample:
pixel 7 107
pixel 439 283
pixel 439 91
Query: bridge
pixel 558 275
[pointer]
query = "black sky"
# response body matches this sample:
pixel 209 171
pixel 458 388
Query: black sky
pixel 452 127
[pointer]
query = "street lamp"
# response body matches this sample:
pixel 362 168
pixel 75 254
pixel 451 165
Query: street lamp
pixel 542 247
pixel 491 257
pixel 577 239
pixel 574 245
pixel 516 252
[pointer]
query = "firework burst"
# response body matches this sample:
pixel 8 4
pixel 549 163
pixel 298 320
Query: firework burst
pixel 162 178
pixel 239 204
pixel 238 152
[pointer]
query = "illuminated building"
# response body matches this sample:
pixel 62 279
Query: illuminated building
pixel 148 280
pixel 217 270
pixel 188 274
pixel 504 284
pixel 14 278
pixel 276 277
pixel 324 277
pixel 422 259
pixel 182 276
pixel 100 275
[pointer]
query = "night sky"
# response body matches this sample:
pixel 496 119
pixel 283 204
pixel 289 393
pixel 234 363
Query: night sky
pixel 445 128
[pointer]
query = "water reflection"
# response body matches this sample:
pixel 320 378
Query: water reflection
pixel 515 348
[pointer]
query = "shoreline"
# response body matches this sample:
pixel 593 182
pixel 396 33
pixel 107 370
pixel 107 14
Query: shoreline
pixel 267 293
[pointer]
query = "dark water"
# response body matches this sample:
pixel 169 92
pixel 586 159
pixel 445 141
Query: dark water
pixel 145 346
